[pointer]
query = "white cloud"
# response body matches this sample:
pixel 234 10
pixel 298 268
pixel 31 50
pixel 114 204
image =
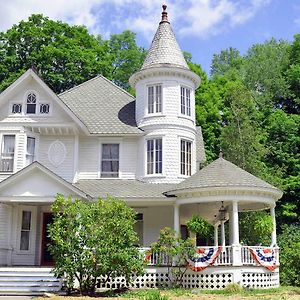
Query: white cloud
pixel 202 18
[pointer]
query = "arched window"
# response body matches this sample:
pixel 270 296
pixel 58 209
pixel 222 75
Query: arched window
pixel 31 103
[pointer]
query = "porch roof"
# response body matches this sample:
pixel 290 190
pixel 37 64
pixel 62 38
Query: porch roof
pixel 122 188
pixel 223 174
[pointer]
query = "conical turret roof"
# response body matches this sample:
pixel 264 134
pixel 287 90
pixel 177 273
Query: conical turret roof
pixel 164 49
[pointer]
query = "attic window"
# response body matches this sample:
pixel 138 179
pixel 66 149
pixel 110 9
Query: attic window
pixel 16 108
pixel 31 103
pixel 44 109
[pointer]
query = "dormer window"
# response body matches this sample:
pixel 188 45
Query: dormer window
pixel 154 99
pixel 185 96
pixel 31 103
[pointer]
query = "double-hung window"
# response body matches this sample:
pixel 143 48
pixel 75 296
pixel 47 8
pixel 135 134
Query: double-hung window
pixel 154 99
pixel 30 150
pixel 154 156
pixel 25 230
pixel 7 153
pixel 110 160
pixel 185 157
pixel 185 98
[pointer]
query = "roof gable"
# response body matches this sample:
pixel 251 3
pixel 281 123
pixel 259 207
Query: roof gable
pixel 37 181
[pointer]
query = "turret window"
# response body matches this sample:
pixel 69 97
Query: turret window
pixel 154 156
pixel 185 96
pixel 154 99
pixel 185 157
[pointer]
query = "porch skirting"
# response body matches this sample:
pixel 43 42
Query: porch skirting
pixel 211 278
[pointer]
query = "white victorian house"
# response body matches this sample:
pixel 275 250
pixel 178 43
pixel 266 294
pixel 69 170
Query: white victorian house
pixel 96 140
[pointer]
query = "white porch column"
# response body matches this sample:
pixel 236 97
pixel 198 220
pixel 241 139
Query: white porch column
pixel 235 224
pixel 223 242
pixel 216 234
pixel 274 235
pixel 177 219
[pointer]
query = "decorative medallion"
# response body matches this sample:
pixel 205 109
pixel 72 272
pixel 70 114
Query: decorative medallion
pixel 57 153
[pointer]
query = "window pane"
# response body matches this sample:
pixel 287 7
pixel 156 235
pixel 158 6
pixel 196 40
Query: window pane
pixel 188 102
pixel 44 109
pixel 110 160
pixel 26 220
pixel 110 151
pixel 16 108
pixel 150 99
pixel 7 153
pixel 185 157
pixel 158 98
pixel 182 95
pixel 24 241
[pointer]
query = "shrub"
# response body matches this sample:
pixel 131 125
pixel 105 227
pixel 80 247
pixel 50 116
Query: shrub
pixel 233 288
pixel 289 243
pixel 92 240
pixel 200 227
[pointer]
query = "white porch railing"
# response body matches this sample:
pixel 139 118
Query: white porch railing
pixel 224 258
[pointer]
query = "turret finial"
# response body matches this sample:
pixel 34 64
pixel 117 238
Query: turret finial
pixel 164 14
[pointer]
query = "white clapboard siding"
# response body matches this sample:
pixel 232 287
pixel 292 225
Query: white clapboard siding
pixel 128 159
pixel 66 168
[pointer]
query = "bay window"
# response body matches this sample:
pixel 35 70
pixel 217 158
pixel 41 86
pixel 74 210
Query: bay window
pixel 154 156
pixel 110 160
pixel 7 153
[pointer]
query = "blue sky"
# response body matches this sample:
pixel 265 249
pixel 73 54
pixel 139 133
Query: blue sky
pixel 202 27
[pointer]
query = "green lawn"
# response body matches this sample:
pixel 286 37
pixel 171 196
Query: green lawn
pixel 282 293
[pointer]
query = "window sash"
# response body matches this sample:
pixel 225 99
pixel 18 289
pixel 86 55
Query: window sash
pixel 154 156
pixel 185 101
pixel 110 160
pixel 7 153
pixel 30 150
pixel 25 230
pixel 154 99
pixel 185 157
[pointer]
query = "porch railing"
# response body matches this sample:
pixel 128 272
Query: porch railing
pixel 224 258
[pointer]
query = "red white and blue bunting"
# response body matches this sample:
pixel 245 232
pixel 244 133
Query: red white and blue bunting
pixel 204 258
pixel 265 257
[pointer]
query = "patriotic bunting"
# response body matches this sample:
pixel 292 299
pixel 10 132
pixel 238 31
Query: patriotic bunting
pixel 204 258
pixel 265 257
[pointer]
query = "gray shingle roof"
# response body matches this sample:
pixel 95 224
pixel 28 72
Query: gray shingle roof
pixel 222 173
pixel 164 49
pixel 122 188
pixel 102 106
pixel 200 152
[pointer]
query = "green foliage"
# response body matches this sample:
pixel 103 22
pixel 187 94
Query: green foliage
pixel 64 55
pixel 92 240
pixel 256 228
pixel 289 243
pixel 200 227
pixel 177 251
pixel 233 288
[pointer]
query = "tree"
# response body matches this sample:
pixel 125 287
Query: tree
pixel 289 243
pixel 177 252
pixel 93 240
pixel 64 55
pixel 126 57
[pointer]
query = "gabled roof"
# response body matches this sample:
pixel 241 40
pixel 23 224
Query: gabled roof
pixel 122 188
pixel 24 173
pixel 164 49
pixel 222 173
pixel 31 73
pixel 103 107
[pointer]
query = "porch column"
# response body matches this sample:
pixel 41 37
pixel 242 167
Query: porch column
pixel 223 234
pixel 177 219
pixel 216 235
pixel 235 224
pixel 274 235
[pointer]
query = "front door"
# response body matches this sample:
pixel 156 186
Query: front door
pixel 46 257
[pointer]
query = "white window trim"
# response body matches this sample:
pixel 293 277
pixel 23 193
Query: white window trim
pixel 110 141
pixel 192 101
pixel 179 156
pixel 154 114
pixel 36 146
pixel 15 159
pixel 32 238
pixel 154 175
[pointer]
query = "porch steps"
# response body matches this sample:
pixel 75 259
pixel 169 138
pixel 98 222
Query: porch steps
pixel 28 281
